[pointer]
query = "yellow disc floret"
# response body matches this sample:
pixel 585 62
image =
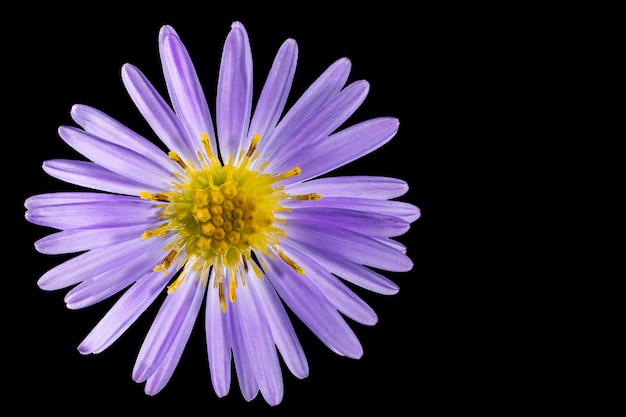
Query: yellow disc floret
pixel 222 214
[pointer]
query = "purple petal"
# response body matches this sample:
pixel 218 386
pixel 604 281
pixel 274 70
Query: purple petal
pixel 95 214
pixel 78 240
pixel 259 344
pixel 74 197
pixel 157 112
pixel 234 93
pixel 328 119
pixel 349 245
pixel 89 175
pixel 380 188
pixel 357 274
pixel 309 305
pixel 341 148
pixel 157 381
pixel 118 159
pixel 370 224
pixel 320 92
pixel 171 318
pixel 339 295
pixel 274 95
pixel 105 127
pixel 111 281
pixel 282 330
pixel 125 312
pixel 245 373
pixel 218 341
pixel 184 88
pixel 400 209
pixel 92 263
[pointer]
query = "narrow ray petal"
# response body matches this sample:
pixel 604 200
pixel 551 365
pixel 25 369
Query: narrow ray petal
pixel 105 127
pixel 124 312
pixel 245 373
pixel 157 112
pixel 324 122
pixel 126 162
pixel 157 381
pixel 165 327
pixel 184 88
pixel 340 296
pixel 93 176
pixel 74 197
pixel 234 93
pixel 342 147
pixel 355 273
pixel 325 87
pixel 96 214
pixel 274 94
pixel 349 245
pixel 370 224
pixel 217 341
pixel 400 209
pixel 381 188
pixel 78 240
pixel 282 330
pixel 111 281
pixel 260 347
pixel 90 264
pixel 309 305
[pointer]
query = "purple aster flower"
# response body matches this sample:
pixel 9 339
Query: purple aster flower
pixel 235 221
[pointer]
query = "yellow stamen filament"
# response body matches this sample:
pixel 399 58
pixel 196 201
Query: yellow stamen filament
pixel 310 197
pixel 232 285
pixel 174 157
pixel 220 292
pixel 158 232
pixel 291 263
pixel 253 144
pixel 177 281
pixel 167 262
pixel 293 172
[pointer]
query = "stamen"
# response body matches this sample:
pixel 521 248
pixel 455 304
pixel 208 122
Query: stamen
pixel 220 292
pixel 159 231
pixel 154 197
pixel 310 197
pixel 167 262
pixel 291 263
pixel 232 285
pixel 293 172
pixel 172 287
pixel 253 144
pixel 174 157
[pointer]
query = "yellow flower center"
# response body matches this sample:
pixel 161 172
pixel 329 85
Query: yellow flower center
pixel 222 215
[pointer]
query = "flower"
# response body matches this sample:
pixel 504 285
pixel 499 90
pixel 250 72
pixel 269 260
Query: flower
pixel 236 219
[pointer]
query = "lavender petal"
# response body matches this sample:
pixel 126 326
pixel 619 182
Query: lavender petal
pixel 95 177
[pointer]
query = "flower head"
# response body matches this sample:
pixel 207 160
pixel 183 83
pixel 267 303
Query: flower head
pixel 235 219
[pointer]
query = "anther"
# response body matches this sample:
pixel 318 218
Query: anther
pixel 291 263
pixel 177 281
pixel 293 172
pixel 310 197
pixel 154 197
pixel 167 262
pixel 159 231
pixel 174 157
pixel 253 144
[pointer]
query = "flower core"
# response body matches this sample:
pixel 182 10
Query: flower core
pixel 222 214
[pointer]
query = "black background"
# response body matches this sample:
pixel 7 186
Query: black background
pixel 430 353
